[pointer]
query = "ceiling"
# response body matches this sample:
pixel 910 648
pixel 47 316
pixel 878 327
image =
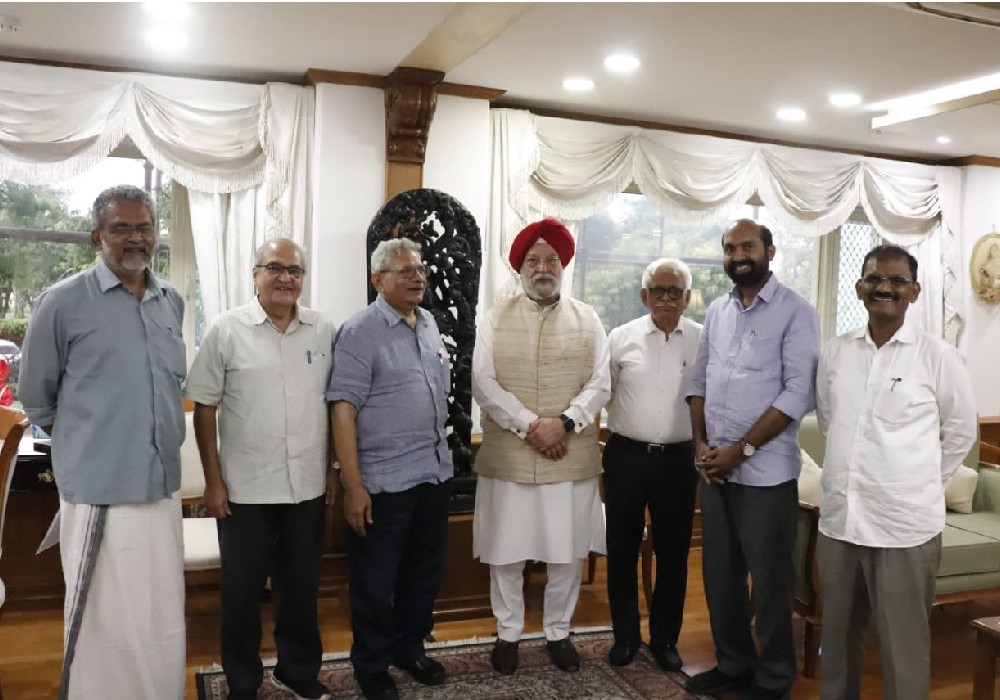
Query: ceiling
pixel 715 66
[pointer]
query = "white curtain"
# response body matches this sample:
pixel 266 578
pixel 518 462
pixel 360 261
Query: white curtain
pixel 573 169
pixel 242 151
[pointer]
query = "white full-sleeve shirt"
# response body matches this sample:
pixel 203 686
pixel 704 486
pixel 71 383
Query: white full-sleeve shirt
pixel 507 411
pixel 898 422
pixel 649 376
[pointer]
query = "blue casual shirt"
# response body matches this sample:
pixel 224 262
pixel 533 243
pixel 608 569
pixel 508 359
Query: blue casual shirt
pixel 750 360
pixel 398 379
pixel 105 370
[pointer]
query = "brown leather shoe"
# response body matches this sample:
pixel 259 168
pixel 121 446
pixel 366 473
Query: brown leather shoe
pixel 564 655
pixel 504 657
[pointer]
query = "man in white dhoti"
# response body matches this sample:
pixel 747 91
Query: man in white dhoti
pixel 102 370
pixel 540 376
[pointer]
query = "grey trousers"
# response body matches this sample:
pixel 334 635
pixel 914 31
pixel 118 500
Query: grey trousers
pixel 896 587
pixel 751 530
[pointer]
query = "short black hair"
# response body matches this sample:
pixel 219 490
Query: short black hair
pixel 890 252
pixel 765 233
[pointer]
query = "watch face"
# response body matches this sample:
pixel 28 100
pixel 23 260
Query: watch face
pixel 748 449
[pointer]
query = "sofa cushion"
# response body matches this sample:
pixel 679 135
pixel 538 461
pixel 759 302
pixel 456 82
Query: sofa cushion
pixel 965 552
pixel 810 488
pixel 960 489
pixel 201 544
pixel 985 523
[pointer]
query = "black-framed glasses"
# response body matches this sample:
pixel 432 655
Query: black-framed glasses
pixel 673 293
pixel 277 270
pixel 410 271
pixel 895 281
pixel 553 262
pixel 123 230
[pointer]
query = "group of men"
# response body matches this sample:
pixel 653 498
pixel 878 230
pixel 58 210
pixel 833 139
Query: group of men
pixel 273 385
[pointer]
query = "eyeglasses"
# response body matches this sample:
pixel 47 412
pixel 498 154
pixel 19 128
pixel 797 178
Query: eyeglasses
pixel 533 263
pixel 895 281
pixel 674 293
pixel 410 272
pixel 277 270
pixel 123 230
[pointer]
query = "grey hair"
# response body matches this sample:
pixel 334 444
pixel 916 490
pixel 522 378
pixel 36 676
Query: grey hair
pixel 678 267
pixel 120 193
pixel 272 242
pixel 387 250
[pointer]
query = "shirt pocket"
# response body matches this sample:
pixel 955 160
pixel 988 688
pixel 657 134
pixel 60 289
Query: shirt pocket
pixel 897 405
pixel 759 352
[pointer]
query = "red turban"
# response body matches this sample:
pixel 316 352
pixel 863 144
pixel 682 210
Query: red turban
pixel 554 233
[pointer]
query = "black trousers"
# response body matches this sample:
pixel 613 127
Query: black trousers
pixel 283 541
pixel 394 574
pixel 666 482
pixel 751 530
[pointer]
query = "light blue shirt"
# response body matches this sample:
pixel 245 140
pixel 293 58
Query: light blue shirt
pixel 398 379
pixel 105 370
pixel 753 359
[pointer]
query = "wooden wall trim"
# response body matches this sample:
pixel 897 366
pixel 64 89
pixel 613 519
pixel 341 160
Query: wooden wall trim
pixel 663 126
pixel 315 76
pixel 474 92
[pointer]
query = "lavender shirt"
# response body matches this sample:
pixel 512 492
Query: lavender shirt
pixel 398 379
pixel 750 360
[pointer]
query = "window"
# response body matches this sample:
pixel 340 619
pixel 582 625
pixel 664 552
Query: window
pixel 615 245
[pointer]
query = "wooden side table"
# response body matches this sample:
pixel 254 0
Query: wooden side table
pixel 987 651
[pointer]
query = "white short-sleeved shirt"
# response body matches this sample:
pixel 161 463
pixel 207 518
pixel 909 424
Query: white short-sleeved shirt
pixel 269 387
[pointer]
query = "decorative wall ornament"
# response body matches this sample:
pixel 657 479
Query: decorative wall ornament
pixel 451 251
pixel 984 268
pixel 410 100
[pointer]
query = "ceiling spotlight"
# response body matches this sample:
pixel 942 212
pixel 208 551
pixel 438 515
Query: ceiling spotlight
pixel 791 114
pixel 845 99
pixel 578 84
pixel 168 10
pixel 166 39
pixel 622 63
pixel 944 140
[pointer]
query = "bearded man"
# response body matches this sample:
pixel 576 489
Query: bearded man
pixel 540 375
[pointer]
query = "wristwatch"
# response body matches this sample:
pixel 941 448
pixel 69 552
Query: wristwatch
pixel 568 423
pixel 747 449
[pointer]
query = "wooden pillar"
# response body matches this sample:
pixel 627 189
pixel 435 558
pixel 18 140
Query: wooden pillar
pixel 410 100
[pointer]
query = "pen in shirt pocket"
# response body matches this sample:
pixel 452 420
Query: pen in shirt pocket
pixel 309 356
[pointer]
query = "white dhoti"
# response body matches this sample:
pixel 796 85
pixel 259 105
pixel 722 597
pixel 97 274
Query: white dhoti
pixel 124 611
pixel 559 524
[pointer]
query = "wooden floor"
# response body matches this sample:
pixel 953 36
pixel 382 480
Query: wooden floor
pixel 31 642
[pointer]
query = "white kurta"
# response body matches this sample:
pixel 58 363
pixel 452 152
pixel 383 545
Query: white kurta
pixel 556 523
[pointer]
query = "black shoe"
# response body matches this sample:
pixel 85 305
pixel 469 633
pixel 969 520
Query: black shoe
pixel 667 657
pixel 233 695
pixel 622 653
pixel 564 655
pixel 424 670
pixel 377 686
pixel 714 681
pixel 755 692
pixel 504 657
pixel 302 690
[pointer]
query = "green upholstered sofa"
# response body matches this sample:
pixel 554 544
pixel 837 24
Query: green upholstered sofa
pixel 970 558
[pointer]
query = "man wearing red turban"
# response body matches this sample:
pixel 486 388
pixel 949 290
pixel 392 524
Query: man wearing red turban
pixel 540 374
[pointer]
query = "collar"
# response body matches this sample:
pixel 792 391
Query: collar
pixel 392 317
pixel 765 294
pixel 907 333
pixel 258 316
pixel 107 279
pixel 648 327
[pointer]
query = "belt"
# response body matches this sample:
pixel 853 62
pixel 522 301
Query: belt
pixel 650 447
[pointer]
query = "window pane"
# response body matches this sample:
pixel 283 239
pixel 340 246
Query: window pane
pixel 857 237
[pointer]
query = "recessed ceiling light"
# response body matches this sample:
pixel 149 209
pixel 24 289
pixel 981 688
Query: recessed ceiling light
pixel 622 63
pixel 944 140
pixel 845 99
pixel 168 11
pixel 166 38
pixel 578 84
pixel 791 114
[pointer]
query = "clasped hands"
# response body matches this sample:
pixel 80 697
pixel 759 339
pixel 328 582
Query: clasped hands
pixel 548 437
pixel 717 463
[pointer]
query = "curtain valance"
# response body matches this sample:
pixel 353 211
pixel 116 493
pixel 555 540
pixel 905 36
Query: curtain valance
pixel 56 123
pixel 573 169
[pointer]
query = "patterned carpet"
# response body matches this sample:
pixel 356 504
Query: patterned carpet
pixel 471 677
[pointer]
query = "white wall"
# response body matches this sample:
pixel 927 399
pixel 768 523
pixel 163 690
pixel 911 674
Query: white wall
pixel 349 182
pixel 980 339
pixel 349 188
